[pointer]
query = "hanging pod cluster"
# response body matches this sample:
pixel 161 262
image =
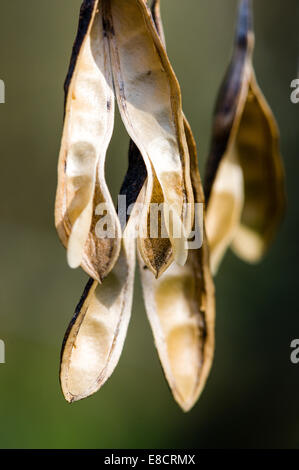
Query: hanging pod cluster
pixel 119 53
pixel 244 183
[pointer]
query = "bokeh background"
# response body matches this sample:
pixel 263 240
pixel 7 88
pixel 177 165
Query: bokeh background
pixel 251 399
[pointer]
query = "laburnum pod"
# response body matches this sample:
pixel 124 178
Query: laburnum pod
pixel 95 337
pixel 118 46
pixel 244 183
pixel 181 309
pixel 94 340
pixel 149 100
pixel 88 126
pixel 181 304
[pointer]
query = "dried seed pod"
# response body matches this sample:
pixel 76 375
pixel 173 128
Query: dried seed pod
pixel 181 304
pixel 95 338
pixel 117 41
pixel 149 100
pixel 181 310
pixel 244 182
pixel 89 115
pixel 156 13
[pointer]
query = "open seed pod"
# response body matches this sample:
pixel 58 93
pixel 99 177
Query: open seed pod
pixel 94 340
pixel 244 184
pixel 149 100
pixel 181 304
pixel 118 47
pixel 95 337
pixel 181 310
pixel 88 126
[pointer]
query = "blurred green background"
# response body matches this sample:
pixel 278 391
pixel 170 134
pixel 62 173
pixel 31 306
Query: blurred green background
pixel 251 399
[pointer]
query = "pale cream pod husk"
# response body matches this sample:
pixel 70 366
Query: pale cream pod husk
pixel 181 304
pixel 88 126
pixel 95 338
pixel 149 100
pixel 181 310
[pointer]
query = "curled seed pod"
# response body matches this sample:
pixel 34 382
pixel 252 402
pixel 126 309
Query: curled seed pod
pixel 181 310
pixel 181 304
pixel 95 338
pixel 89 115
pixel 149 100
pixel 244 182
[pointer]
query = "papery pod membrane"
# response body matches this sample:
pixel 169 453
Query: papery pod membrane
pixel 181 309
pixel 89 116
pixel 149 100
pixel 244 182
pixel 181 304
pixel 264 177
pixel 157 251
pixel 95 338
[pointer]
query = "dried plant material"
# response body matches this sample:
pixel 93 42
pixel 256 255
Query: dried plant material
pixel 181 310
pixel 181 304
pixel 135 178
pixel 117 45
pixel 96 335
pixel 149 100
pixel 245 179
pixel 87 132
pixel 263 171
pixel 156 251
pixel 156 13
pixel 225 208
